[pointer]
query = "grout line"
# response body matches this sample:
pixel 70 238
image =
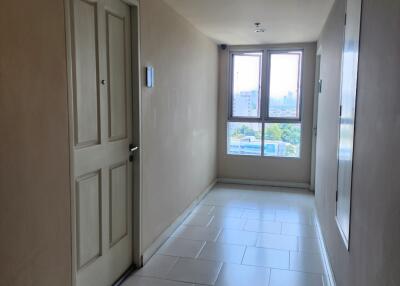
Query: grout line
pixel 219 270
pixel 269 277
pixel 219 234
pixel 244 253
pixel 200 250
pixel 172 280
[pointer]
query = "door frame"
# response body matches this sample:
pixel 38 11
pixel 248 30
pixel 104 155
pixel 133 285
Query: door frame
pixel 137 128
pixel 317 93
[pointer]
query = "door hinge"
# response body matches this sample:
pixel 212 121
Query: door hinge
pixel 320 86
pixel 345 19
pixel 337 195
pixel 340 111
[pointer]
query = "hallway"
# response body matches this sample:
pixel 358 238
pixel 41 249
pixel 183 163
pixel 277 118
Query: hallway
pixel 241 235
pixel 142 140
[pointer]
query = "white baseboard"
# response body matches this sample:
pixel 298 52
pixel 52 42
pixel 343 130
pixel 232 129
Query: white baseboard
pixel 329 278
pixel 264 183
pixel 152 249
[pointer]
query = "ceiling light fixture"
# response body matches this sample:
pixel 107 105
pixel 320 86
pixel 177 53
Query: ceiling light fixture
pixel 258 28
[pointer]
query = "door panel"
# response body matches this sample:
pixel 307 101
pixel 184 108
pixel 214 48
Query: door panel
pixel 116 60
pixel 103 131
pixel 347 116
pixel 88 198
pixel 87 106
pixel 118 202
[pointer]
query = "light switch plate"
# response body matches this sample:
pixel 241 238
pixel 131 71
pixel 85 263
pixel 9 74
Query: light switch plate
pixel 149 76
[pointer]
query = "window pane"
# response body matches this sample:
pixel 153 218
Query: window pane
pixel 244 138
pixel 282 140
pixel 284 90
pixel 246 85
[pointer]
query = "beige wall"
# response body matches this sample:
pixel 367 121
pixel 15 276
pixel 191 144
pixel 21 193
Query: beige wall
pixel 179 136
pixel 34 172
pixel 179 125
pixel 268 169
pixel 374 231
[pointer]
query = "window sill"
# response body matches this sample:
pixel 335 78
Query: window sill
pixel 261 157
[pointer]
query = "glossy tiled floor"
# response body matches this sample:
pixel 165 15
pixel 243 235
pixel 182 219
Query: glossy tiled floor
pixel 238 236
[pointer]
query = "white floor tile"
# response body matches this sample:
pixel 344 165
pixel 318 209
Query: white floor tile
pixel 203 209
pixel 147 281
pixel 181 247
pixel 227 212
pixel 198 219
pixel 266 215
pixel 292 278
pixel 197 233
pixel 262 226
pixel 244 204
pixel 221 199
pixel 299 229
pixel 306 262
pixel 241 275
pixel 229 253
pixel 228 223
pixel 240 218
pixel 158 266
pixel 266 257
pixel 195 271
pixel 308 244
pixel 293 216
pixel 277 241
pixel 238 237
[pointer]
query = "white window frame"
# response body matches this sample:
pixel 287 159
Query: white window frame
pixel 264 117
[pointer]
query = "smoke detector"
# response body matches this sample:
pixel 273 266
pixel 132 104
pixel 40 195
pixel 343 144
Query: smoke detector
pixel 258 27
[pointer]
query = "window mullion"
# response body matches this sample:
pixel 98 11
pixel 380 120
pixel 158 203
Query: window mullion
pixel 264 98
pixel 264 74
pixel 262 138
pixel 267 84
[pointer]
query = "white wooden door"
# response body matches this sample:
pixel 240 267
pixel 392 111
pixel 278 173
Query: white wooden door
pixel 102 115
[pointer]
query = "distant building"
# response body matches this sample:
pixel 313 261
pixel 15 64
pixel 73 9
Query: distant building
pixel 283 106
pixel 245 103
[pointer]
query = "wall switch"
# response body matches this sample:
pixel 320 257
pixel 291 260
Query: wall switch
pixel 149 76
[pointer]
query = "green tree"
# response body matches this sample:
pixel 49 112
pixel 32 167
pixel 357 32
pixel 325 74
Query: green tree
pixel 290 150
pixel 243 131
pixel 290 133
pixel 273 132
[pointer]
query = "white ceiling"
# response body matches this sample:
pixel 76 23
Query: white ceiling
pixel 232 21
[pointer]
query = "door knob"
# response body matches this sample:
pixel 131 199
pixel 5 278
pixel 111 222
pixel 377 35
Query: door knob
pixel 133 148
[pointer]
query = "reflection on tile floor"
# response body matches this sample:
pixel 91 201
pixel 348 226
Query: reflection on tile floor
pixel 241 235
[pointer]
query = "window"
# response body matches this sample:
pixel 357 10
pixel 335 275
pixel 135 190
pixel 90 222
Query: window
pixel 282 139
pixel 246 85
pixel 265 107
pixel 244 138
pixel 284 88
